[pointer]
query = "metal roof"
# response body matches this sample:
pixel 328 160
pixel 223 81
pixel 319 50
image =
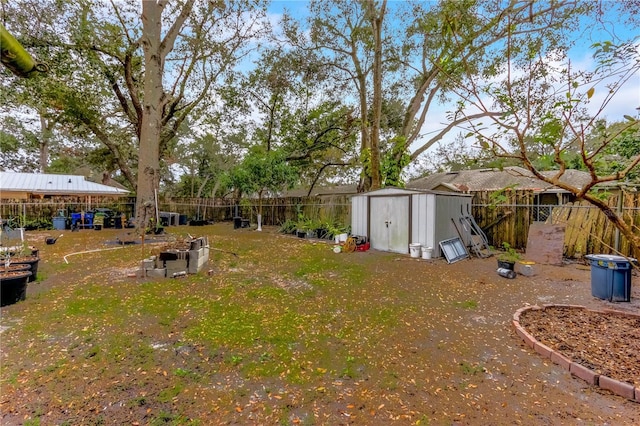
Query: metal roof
pixel 53 184
pixel 496 179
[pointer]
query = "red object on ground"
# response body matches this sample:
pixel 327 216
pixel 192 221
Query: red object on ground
pixel 363 247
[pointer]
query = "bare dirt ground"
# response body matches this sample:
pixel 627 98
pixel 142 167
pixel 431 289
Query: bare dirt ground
pixel 447 356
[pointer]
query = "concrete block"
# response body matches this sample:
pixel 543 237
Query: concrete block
pixel 174 266
pixel 637 394
pixel 157 273
pixel 197 260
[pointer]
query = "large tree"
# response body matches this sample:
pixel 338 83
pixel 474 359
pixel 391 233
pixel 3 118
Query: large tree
pixel 137 70
pixel 294 113
pixel 412 52
pixel 561 112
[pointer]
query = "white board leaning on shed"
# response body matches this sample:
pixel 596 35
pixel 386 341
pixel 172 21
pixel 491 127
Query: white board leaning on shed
pixel 393 218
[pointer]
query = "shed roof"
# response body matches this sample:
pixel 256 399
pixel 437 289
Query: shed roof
pixel 496 179
pixel 391 190
pixel 19 185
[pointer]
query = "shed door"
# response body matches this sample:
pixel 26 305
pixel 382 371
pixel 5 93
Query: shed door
pixel 389 221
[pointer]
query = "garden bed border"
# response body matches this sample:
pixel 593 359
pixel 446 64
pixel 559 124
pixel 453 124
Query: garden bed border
pixel 617 387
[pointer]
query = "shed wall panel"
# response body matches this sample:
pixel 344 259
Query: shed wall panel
pixel 359 215
pixel 446 209
pixel 423 217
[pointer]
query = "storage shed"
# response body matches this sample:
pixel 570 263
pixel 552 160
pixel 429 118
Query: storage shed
pixel 393 218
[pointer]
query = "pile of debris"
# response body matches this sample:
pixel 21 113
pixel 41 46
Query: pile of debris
pixel 177 262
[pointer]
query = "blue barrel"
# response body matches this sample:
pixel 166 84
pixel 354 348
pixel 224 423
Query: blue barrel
pixel 610 277
pixel 59 223
pixel 75 218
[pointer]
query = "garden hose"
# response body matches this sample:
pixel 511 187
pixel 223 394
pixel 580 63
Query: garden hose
pixel 349 245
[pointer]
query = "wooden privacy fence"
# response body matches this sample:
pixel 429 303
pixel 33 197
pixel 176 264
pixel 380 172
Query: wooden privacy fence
pixel 275 211
pixel 507 221
pixel 587 230
pixel 36 213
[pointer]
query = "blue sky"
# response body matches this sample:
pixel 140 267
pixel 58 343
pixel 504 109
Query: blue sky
pixel 581 55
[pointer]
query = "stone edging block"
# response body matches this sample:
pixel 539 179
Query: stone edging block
pixel 584 373
pixel 617 387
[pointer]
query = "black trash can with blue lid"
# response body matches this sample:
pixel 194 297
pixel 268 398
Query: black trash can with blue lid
pixel 610 277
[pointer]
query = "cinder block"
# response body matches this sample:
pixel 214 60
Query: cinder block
pixel 619 388
pixel 147 264
pixel 197 260
pixel 180 264
pixel 174 266
pixel 157 273
pixel 584 373
pixel 637 394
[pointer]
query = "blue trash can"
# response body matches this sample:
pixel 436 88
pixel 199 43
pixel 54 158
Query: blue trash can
pixel 610 277
pixel 59 223
pixel 75 218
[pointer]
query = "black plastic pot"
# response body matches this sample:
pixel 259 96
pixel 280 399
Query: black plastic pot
pixel 13 286
pixel 505 264
pixel 15 267
pixel 32 261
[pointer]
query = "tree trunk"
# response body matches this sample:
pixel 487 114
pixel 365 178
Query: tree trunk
pixel 148 157
pixel 45 138
pixel 376 18
pixel 365 142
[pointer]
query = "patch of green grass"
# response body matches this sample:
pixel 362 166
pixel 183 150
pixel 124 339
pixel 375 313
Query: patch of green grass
pixel 470 369
pixel 92 352
pixel 240 326
pixel 54 367
pixel 467 304
pixel 383 317
pixel 267 294
pixel 166 418
pixel 390 381
pixel 349 371
pixel 140 401
pixel 235 359
pixel 181 372
pixel 168 394
pixel 316 259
